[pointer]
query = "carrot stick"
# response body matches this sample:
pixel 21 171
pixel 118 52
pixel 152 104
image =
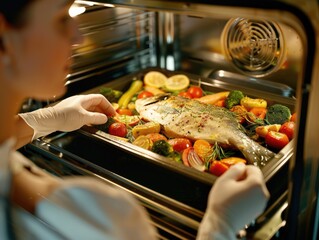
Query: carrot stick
pixel 213 98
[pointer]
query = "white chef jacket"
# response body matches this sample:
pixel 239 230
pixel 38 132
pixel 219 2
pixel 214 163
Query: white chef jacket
pixel 83 208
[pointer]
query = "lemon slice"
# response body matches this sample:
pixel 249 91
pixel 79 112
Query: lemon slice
pixel 177 82
pixel 143 142
pixel 155 79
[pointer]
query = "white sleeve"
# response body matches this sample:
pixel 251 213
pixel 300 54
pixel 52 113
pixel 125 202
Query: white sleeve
pixel 86 208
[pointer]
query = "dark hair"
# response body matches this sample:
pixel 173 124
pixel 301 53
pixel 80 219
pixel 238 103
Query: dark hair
pixel 14 11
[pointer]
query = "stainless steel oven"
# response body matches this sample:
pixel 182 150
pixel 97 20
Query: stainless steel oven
pixel 264 48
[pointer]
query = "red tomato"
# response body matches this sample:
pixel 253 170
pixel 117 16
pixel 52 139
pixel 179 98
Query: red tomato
pixel 195 91
pixel 145 94
pixel 276 140
pixel 118 129
pixel 124 111
pixel 288 128
pixel 293 117
pixel 217 168
pixel 179 144
pixel 185 94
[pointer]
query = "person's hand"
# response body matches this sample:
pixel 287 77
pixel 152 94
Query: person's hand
pixel 237 197
pixel 70 114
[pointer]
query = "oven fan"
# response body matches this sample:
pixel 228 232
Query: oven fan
pixel 255 47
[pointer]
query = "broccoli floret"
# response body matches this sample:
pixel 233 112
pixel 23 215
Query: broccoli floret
pixel 175 156
pixel 278 114
pixel 111 94
pixel 162 147
pixel 233 98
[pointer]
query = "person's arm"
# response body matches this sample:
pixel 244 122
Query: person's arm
pixel 68 115
pixel 30 184
pixel 237 198
pixel 24 132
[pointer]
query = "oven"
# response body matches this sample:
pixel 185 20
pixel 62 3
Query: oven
pixel 266 49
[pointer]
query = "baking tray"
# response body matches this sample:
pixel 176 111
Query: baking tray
pixel 97 149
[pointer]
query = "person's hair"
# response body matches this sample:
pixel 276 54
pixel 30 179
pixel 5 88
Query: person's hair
pixel 14 11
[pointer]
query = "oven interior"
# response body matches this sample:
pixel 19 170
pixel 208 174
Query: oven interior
pixel 223 48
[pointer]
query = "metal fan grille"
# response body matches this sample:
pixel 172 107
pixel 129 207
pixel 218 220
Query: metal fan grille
pixel 254 46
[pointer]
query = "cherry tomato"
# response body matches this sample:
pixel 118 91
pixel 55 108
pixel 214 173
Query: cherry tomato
pixel 288 128
pixel 145 94
pixel 185 95
pixel 118 129
pixel 218 168
pixel 195 91
pixel 179 144
pixel 293 117
pixel 124 111
pixel 276 140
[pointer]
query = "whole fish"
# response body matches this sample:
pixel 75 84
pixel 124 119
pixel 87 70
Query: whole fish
pixel 183 117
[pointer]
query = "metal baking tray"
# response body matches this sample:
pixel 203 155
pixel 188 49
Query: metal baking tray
pixel 97 150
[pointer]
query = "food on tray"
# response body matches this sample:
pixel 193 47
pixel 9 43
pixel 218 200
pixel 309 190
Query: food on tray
pixel 250 103
pixel 276 140
pixel 183 117
pixel 202 130
pixel 177 83
pixel 214 98
pixel 135 87
pixel 233 98
pixel 278 113
pixel 155 79
pixel 111 94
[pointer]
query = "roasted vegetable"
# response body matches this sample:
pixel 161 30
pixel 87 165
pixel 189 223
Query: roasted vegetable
pixel 111 94
pixel 276 140
pixel 263 130
pixel 162 147
pixel 233 98
pixel 278 114
pixel 149 127
pixel 175 156
pixel 143 142
pixel 250 103
pixel 214 97
pixel 135 87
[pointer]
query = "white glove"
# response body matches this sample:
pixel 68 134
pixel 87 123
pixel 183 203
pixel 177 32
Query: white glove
pixel 237 197
pixel 69 115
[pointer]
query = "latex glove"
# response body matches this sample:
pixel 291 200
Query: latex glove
pixel 237 197
pixel 70 114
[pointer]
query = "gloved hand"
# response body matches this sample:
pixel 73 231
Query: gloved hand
pixel 237 197
pixel 70 114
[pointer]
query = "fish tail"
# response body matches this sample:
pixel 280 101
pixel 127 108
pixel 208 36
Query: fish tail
pixel 257 154
pixel 253 152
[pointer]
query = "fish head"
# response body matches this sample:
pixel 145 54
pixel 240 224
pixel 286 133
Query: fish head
pixel 144 102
